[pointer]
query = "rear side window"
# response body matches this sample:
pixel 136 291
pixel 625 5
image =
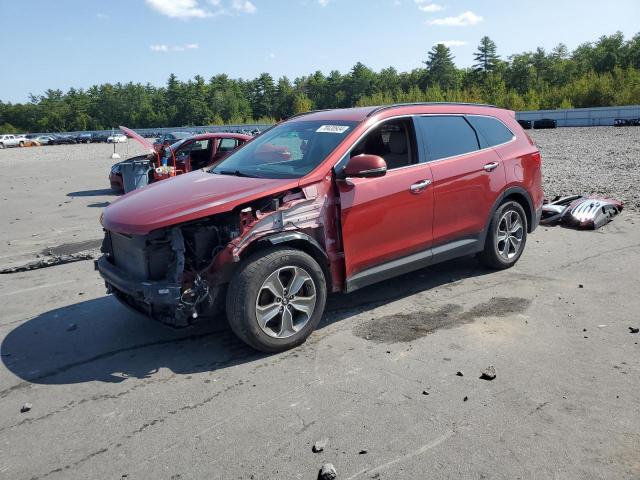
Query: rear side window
pixel 447 136
pixel 491 131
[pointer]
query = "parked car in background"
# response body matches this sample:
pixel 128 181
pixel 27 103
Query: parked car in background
pixel 27 141
pixel 545 123
pixel 167 139
pixel 63 140
pixel 117 138
pixel 626 122
pixel 183 156
pixel 526 124
pixel 327 201
pixel 8 141
pixel 84 138
pixel 43 139
pixel 100 137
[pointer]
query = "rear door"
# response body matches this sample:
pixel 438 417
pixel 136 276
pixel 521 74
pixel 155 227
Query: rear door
pixel 467 178
pixel 389 217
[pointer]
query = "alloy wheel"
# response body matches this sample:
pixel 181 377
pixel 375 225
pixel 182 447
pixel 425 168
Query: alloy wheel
pixel 510 234
pixel 286 302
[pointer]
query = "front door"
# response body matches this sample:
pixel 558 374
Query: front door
pixel 387 218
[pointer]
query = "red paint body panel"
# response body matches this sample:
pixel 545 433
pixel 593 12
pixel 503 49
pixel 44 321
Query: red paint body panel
pixel 185 197
pixel 464 194
pixel 382 219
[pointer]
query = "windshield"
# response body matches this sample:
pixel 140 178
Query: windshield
pixel 290 150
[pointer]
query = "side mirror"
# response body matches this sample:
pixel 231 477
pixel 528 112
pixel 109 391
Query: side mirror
pixel 365 166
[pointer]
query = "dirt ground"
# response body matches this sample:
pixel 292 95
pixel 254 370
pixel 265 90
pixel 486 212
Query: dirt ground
pixel 114 395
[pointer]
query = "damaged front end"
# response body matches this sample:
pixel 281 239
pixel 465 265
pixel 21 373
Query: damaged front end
pixel 179 273
pixel 149 274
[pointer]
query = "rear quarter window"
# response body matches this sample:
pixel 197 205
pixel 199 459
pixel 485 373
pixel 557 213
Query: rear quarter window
pixel 491 131
pixel 447 136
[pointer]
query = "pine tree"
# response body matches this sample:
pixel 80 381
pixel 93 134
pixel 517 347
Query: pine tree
pixel 486 57
pixel 441 69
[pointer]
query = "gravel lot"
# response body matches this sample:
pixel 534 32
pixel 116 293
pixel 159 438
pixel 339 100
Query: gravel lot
pixel 602 160
pixel 113 395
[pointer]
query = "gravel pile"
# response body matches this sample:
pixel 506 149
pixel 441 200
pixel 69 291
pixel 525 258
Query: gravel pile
pixel 593 160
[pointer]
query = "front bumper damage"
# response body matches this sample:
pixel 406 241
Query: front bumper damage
pixel 143 296
pixel 166 299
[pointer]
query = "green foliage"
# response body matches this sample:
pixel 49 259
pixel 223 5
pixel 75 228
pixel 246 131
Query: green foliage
pixel 601 73
pixel 486 56
pixel 442 72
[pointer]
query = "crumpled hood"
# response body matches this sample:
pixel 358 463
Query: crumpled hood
pixel 186 197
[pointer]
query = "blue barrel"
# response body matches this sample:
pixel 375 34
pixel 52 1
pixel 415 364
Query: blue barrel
pixel 135 174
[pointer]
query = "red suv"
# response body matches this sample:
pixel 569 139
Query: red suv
pixel 328 201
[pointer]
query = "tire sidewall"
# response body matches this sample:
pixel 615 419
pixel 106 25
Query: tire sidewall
pixel 515 206
pixel 243 320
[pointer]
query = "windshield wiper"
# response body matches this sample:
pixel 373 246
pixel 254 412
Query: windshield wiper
pixel 235 173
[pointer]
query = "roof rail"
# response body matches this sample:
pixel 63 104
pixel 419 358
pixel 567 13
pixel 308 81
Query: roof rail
pixel 387 107
pixel 302 114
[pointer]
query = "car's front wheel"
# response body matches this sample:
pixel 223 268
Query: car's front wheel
pixel 276 299
pixel 506 237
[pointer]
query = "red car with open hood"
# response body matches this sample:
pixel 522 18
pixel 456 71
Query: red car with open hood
pixel 328 201
pixel 187 154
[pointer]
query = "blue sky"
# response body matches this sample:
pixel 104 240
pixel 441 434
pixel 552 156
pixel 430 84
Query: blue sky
pixel 78 43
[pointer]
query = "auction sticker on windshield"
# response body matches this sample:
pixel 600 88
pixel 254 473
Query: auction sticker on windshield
pixel 332 129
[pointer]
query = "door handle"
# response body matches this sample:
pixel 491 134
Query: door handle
pixel 491 166
pixel 420 186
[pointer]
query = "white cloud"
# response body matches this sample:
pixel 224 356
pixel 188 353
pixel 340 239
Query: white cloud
pixel 173 48
pixel 243 6
pixel 102 16
pixel 193 9
pixel 178 8
pixel 452 43
pixel 465 19
pixel 428 7
pixel 323 3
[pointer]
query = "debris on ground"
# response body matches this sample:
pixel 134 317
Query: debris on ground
pixel 465 398
pixel 51 261
pixel 460 374
pixel 319 445
pixel 362 452
pixel 26 407
pixel 327 472
pixel 424 392
pixel 579 211
pixel 634 329
pixel 488 373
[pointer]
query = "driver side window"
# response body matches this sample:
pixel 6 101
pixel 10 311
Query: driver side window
pixel 394 141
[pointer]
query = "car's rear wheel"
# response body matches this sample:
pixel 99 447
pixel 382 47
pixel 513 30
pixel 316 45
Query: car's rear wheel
pixel 276 299
pixel 506 237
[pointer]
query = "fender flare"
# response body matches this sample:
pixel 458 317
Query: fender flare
pixel 510 191
pixel 290 237
pixel 313 248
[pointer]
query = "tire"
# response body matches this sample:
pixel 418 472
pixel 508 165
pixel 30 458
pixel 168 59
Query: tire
pixel 21 144
pixel 502 254
pixel 1 146
pixel 251 292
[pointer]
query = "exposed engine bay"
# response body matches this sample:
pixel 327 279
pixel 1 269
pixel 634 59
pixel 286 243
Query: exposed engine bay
pixel 179 273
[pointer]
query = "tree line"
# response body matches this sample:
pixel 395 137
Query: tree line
pixel 601 73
